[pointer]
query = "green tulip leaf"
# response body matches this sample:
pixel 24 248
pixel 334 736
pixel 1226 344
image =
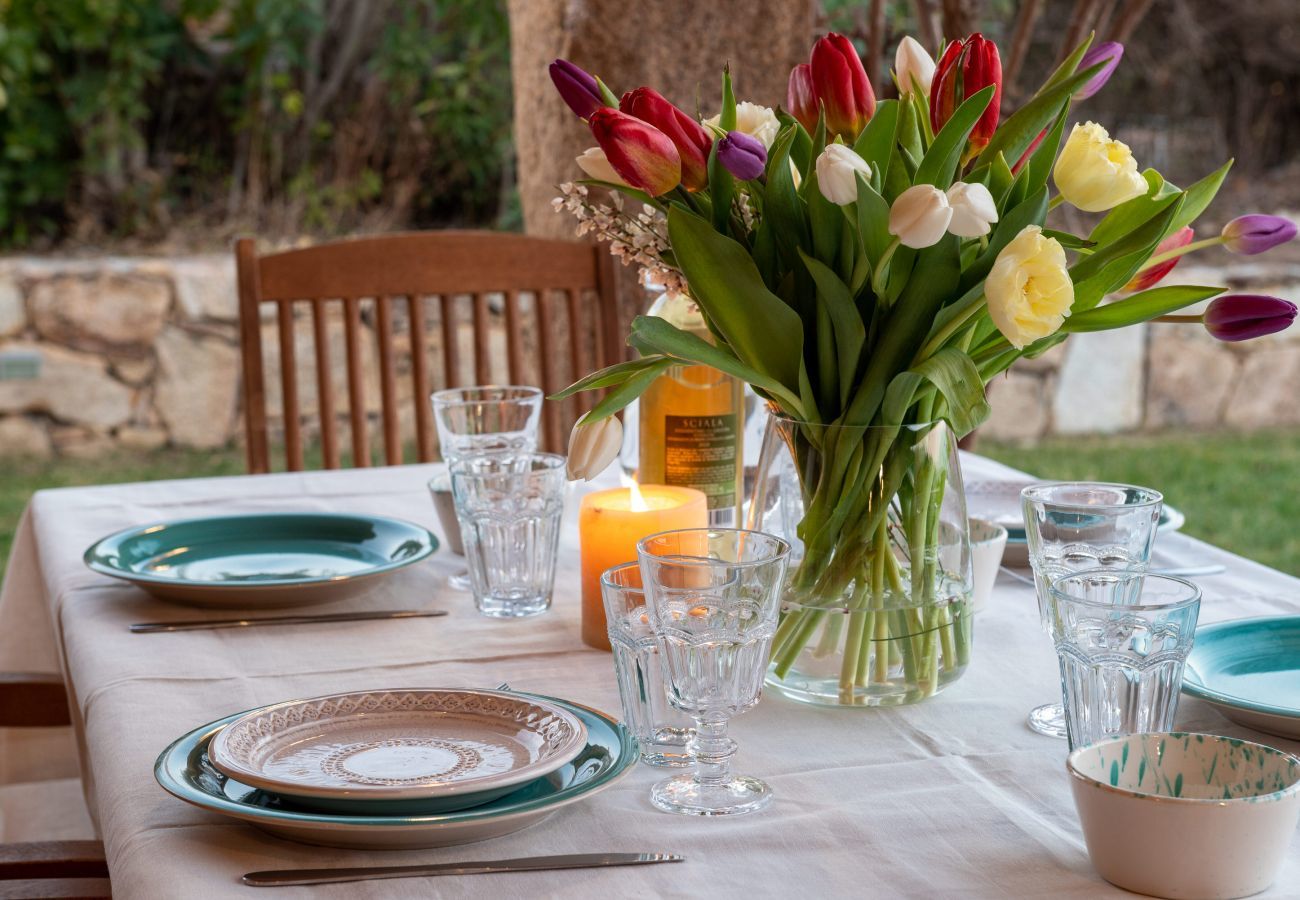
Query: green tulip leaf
pixel 1199 196
pixel 941 159
pixel 849 331
pixel 876 142
pixel 608 376
pixel 1039 167
pixel 873 222
pixel 761 329
pixel 1069 64
pixel 628 391
pixel 1019 131
pixel 1140 307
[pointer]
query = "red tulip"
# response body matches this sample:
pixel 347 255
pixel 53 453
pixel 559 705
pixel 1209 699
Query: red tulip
pixel 801 98
pixel 967 68
pixel 1148 277
pixel 641 154
pixel 692 141
pixel 842 86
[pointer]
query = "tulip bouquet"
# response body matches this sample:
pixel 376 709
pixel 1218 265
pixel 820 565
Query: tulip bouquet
pixel 868 267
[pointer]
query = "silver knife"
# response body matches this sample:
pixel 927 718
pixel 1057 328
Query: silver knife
pixel 279 877
pixel 200 624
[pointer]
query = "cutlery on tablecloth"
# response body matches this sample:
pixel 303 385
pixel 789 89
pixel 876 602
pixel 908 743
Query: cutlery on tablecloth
pixel 280 877
pixel 1177 572
pixel 201 624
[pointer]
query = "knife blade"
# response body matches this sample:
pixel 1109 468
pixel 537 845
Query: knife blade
pixel 281 877
pixel 200 624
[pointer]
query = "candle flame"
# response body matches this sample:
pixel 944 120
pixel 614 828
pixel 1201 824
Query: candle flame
pixel 638 502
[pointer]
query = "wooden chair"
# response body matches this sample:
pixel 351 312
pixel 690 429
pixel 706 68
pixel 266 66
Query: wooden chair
pixel 45 868
pixel 391 276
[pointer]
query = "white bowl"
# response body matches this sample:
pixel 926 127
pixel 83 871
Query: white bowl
pixel 1187 816
pixel 988 541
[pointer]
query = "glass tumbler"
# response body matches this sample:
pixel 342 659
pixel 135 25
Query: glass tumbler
pixel 713 598
pixel 485 419
pixel 661 730
pixel 1122 638
pixel 509 507
pixel 1076 525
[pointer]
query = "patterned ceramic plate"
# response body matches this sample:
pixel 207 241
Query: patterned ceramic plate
pixel 185 771
pixel 269 560
pixel 1250 670
pixel 398 751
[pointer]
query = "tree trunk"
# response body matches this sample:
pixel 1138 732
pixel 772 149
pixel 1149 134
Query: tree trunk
pixel 678 47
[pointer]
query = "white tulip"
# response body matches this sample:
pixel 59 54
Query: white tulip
pixel 754 120
pixel 920 216
pixel 973 209
pixel 913 64
pixel 592 447
pixel 837 171
pixel 594 162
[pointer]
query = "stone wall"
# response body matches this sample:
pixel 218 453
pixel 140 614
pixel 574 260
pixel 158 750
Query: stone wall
pixel 134 353
pixel 139 353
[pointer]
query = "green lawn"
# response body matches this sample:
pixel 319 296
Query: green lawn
pixel 1238 491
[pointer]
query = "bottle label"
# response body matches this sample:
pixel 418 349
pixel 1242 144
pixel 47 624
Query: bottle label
pixel 700 452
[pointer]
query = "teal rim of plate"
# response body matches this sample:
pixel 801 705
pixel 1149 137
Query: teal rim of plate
pixel 96 549
pixel 178 753
pixel 1199 688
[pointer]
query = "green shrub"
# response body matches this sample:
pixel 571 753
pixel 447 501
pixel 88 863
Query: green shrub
pixel 130 118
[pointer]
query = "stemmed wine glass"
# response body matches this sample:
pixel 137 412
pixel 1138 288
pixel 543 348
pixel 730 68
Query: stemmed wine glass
pixel 1072 526
pixel 713 597
pixel 483 419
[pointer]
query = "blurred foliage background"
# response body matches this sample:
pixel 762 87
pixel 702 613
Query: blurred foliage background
pixel 142 119
pixel 162 123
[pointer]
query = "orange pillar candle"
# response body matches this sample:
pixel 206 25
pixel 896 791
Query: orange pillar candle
pixel 609 525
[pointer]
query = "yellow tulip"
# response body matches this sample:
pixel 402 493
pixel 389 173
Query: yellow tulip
pixel 1095 173
pixel 1029 289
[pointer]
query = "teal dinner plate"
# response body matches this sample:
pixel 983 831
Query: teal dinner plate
pixel 610 753
pixel 1250 670
pixel 265 560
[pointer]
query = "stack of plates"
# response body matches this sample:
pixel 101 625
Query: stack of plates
pixel 398 769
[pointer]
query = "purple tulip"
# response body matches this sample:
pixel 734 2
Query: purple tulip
pixel 1256 233
pixel 743 155
pixel 1240 317
pixel 1109 53
pixel 578 88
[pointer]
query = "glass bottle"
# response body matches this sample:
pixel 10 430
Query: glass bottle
pixel 691 422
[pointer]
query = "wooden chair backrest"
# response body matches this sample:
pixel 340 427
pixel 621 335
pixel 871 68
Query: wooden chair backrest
pixel 413 269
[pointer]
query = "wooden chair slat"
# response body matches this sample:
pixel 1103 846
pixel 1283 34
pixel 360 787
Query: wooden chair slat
pixel 256 441
pixel 53 859
pixel 514 339
pixel 578 340
pixel 356 388
pixel 450 342
pixel 420 376
pixel 546 365
pixel 33 700
pixel 289 386
pixel 324 384
pixel 482 343
pixel 388 382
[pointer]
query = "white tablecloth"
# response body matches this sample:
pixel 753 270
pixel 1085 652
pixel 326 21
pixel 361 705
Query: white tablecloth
pixel 954 797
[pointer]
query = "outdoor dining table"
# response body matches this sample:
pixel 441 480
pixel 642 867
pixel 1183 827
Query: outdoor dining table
pixel 953 797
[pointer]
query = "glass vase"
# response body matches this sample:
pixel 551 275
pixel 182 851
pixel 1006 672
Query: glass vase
pixel 876 609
